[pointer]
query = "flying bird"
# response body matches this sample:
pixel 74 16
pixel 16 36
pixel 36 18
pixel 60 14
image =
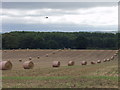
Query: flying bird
pixel 46 17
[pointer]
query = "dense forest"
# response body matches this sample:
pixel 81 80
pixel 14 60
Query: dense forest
pixel 59 40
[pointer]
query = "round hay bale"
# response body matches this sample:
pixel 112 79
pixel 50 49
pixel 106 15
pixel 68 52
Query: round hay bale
pixel 115 54
pixel 5 65
pixel 5 51
pixel 65 48
pixel 104 60
pixel 59 49
pixel 56 63
pixel 13 49
pixel 84 63
pixel 71 63
pixel 93 62
pixel 69 48
pixel 98 61
pixel 20 60
pixel 46 55
pixel 53 53
pixel 38 57
pixel 108 59
pixel 30 58
pixel 28 65
pixel 112 58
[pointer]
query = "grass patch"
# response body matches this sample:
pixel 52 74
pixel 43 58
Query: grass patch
pixel 35 78
pixel 61 77
pixel 101 77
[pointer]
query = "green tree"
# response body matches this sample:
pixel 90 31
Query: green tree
pixel 81 42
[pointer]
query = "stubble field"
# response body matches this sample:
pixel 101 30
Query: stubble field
pixel 43 75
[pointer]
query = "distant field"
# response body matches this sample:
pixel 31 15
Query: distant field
pixel 43 75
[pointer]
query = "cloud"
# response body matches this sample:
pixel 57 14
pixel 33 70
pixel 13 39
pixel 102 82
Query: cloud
pixel 55 5
pixel 93 16
pixel 97 17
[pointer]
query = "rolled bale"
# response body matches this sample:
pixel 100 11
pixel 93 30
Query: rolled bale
pixel 98 61
pixel 112 58
pixel 115 54
pixel 28 65
pixel 71 63
pixel 30 58
pixel 46 55
pixel 38 57
pixel 20 60
pixel 13 49
pixel 69 48
pixel 53 53
pixel 84 63
pixel 108 59
pixel 93 62
pixel 5 65
pixel 5 51
pixel 65 48
pixel 56 64
pixel 60 49
pixel 105 60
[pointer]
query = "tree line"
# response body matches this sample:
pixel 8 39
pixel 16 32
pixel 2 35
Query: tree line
pixel 59 40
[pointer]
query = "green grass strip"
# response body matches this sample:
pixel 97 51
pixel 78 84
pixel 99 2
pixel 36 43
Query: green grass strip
pixel 101 77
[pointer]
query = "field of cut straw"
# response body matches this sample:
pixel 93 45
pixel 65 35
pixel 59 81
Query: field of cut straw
pixel 43 75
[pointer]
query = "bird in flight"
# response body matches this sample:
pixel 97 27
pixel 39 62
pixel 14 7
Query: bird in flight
pixel 46 17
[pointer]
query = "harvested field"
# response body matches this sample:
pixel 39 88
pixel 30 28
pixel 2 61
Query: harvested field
pixel 63 56
pixel 77 76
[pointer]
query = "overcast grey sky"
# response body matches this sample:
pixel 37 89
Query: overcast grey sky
pixel 62 16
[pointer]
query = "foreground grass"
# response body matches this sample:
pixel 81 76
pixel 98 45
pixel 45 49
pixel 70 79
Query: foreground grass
pixel 90 76
pixel 63 82
pixel 61 77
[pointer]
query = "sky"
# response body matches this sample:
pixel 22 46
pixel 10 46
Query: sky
pixel 62 16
